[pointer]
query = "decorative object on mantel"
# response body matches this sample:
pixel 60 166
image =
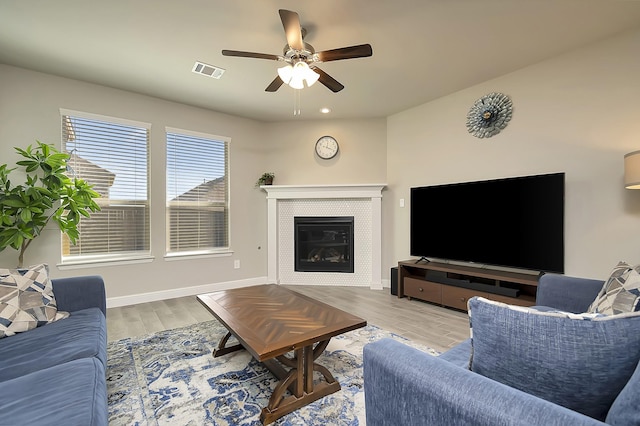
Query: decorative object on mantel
pixel 632 170
pixel 47 193
pixel 327 147
pixel 489 115
pixel 265 179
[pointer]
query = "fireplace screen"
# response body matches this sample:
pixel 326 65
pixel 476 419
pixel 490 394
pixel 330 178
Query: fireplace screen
pixel 324 244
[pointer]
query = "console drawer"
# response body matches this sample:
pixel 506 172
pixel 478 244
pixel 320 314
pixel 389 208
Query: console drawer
pixel 423 290
pixel 457 297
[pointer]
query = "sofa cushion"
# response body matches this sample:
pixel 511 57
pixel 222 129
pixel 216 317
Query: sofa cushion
pixel 620 293
pixel 26 300
pixel 581 362
pixel 70 394
pixel 459 355
pixel 625 410
pixel 82 335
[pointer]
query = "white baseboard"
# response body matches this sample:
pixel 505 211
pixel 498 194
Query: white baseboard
pixel 114 302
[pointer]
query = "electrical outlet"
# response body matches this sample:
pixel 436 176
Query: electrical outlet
pixel 236 264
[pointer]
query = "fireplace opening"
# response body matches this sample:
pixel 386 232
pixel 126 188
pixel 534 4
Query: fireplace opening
pixel 323 244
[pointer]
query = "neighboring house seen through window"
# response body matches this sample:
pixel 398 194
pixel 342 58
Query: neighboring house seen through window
pixel 112 155
pixel 197 193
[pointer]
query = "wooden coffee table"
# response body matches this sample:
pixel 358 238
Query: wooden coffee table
pixel 270 321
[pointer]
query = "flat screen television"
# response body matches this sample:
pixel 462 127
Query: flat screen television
pixel 513 222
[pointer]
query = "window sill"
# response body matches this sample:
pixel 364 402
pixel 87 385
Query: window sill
pixel 98 262
pixel 170 257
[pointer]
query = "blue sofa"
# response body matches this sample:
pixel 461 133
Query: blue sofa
pixel 55 374
pixel 404 386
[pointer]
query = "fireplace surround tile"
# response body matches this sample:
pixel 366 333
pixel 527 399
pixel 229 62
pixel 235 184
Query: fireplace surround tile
pixel 363 202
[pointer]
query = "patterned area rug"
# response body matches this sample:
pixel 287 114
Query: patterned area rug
pixel 170 378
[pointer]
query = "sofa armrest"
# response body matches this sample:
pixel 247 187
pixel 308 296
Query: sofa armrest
pixel 404 386
pixel 76 293
pixel 569 294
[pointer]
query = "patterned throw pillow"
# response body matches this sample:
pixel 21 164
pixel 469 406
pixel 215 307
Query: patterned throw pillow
pixel 620 293
pixel 579 361
pixel 26 300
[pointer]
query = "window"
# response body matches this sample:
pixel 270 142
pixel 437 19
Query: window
pixel 197 192
pixel 112 155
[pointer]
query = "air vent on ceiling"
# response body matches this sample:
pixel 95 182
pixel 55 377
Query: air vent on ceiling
pixel 208 70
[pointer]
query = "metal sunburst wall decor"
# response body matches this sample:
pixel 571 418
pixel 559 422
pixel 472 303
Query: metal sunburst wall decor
pixel 489 115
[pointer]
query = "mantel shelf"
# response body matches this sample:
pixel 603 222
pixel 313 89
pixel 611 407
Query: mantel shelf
pixel 301 192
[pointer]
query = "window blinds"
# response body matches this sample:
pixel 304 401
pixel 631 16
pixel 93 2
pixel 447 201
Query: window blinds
pixel 112 156
pixel 197 192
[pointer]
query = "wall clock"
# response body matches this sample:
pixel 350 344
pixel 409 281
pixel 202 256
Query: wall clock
pixel 327 147
pixel 489 115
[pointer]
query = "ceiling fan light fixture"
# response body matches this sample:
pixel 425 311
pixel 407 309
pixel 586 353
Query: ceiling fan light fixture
pixel 285 73
pixel 309 75
pixel 297 75
pixel 296 82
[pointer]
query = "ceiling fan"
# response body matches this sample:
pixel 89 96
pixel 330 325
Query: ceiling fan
pixel 302 59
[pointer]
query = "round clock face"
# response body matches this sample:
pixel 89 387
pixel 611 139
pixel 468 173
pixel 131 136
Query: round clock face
pixel 326 147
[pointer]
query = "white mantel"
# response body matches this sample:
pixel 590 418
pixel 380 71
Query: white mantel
pixel 326 198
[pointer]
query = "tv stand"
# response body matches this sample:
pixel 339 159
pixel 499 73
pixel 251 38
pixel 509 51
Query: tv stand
pixel 421 259
pixel 453 285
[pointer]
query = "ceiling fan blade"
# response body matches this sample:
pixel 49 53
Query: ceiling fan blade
pixel 331 83
pixel 250 55
pixel 275 85
pixel 292 29
pixel 360 51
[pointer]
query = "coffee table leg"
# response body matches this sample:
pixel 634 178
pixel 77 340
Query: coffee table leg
pixel 299 381
pixel 222 348
pixel 317 351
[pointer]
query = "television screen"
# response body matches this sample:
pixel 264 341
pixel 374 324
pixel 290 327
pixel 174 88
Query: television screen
pixel 514 222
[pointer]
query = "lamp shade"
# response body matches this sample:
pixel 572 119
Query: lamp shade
pixel 632 170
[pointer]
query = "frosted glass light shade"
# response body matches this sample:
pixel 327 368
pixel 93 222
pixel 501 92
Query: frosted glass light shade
pixel 285 73
pixel 298 74
pixel 308 74
pixel 632 170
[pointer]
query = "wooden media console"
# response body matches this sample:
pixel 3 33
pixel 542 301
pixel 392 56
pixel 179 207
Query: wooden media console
pixel 453 285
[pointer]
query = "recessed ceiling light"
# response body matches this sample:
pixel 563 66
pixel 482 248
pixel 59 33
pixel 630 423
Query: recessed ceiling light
pixel 325 110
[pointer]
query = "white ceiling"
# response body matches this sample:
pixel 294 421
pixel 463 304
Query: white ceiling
pixel 422 49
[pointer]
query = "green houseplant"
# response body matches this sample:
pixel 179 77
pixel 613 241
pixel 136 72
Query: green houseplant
pixel 265 179
pixel 47 193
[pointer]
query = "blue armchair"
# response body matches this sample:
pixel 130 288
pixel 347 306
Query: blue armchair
pixel 404 386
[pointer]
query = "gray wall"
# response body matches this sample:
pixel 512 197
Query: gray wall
pixel 360 159
pixel 29 110
pixel 577 113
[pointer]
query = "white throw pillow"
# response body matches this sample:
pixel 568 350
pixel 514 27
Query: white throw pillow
pixel 26 300
pixel 620 293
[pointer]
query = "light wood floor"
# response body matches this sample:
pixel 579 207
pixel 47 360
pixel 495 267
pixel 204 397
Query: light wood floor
pixel 434 326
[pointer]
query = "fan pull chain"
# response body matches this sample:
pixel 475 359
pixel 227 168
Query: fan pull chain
pixel 296 102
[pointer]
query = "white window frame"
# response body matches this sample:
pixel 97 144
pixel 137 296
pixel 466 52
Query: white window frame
pixel 116 258
pixel 201 253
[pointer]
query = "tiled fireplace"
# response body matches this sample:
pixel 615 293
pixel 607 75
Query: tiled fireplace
pixel 361 204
